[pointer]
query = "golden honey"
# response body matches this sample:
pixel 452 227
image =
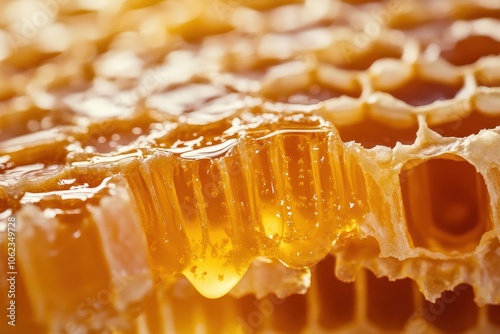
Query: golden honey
pixel 251 166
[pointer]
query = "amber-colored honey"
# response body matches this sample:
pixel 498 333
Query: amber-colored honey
pixel 253 166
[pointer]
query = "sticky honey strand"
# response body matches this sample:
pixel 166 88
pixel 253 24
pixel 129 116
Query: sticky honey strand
pixel 278 191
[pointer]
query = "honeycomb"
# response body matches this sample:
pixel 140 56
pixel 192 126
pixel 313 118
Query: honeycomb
pixel 250 166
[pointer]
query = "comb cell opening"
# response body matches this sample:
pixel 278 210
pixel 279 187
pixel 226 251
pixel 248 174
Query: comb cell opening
pixel 420 92
pixel 370 133
pixel 446 204
pixel 470 50
pixel 469 125
pixel 454 312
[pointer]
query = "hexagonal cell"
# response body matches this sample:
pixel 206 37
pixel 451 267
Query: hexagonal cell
pixel 370 133
pixel 454 312
pixel 469 125
pixel 314 92
pixel 425 32
pixel 485 78
pixel 265 4
pixel 470 49
pixel 291 315
pixel 390 304
pixel 364 61
pixel 357 2
pixel 357 58
pixel 336 298
pixel 420 91
pixel 446 204
pixel 250 67
pixel 494 314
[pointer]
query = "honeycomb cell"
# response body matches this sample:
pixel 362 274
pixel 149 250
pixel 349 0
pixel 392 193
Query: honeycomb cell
pixel 370 133
pixel 250 316
pixel 425 32
pixel 313 94
pixel 291 315
pixel 428 91
pixel 468 125
pixel 469 50
pixel 196 30
pixel 389 304
pixel 336 298
pixel 266 5
pixel 494 314
pixel 454 312
pixel 360 60
pixel 311 89
pixel 446 204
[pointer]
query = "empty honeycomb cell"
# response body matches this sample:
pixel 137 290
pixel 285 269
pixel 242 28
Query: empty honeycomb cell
pixel 389 304
pixel 426 33
pixel 25 58
pixel 211 309
pixel 264 4
pixel 469 50
pixel 314 94
pixel 487 80
pixel 290 314
pixel 470 11
pixel 184 314
pixel 250 315
pixel 370 132
pixel 494 314
pixel 357 2
pixel 206 25
pixel 446 204
pixel 185 98
pixel 311 89
pixel 152 314
pixel 250 67
pixel 454 312
pixel 428 91
pixel 468 125
pixel 357 58
pixel 336 298
pixel 7 93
